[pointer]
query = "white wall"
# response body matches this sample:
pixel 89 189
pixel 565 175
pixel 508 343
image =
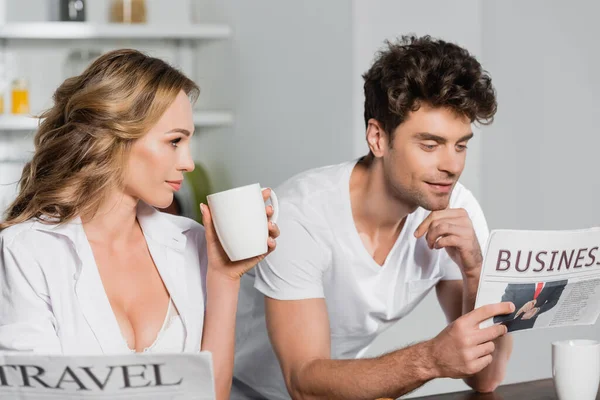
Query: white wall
pixel 291 81
pixel 541 154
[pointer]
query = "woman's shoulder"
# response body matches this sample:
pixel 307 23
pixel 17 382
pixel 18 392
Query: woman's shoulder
pixel 33 243
pixel 23 230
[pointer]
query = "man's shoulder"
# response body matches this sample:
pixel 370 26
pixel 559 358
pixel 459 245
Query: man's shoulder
pixel 314 188
pixel 315 178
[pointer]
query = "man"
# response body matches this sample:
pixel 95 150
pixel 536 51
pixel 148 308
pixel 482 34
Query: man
pixel 363 243
pixel 530 300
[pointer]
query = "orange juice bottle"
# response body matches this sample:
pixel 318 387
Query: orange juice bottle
pixel 20 96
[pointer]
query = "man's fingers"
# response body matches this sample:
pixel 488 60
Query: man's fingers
pixel 483 350
pixel 424 226
pixel 450 213
pixel 448 241
pixel 490 310
pixel 447 227
pixel 490 333
pixel 481 363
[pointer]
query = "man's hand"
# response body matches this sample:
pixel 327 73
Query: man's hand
pixel 452 229
pixel 531 313
pixel 526 308
pixel 463 349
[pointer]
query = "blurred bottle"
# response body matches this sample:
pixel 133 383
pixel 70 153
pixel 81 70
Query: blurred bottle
pixel 72 10
pixel 3 81
pixel 20 96
pixel 66 10
pixel 128 11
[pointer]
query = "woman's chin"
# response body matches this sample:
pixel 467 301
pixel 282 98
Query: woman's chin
pixel 160 203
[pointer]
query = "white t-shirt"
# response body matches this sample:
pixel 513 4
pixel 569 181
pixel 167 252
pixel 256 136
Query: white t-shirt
pixel 320 255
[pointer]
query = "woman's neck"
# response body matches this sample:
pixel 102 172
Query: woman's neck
pixel 115 223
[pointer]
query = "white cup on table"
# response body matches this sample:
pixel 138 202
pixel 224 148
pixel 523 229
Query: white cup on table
pixel 241 222
pixel 576 369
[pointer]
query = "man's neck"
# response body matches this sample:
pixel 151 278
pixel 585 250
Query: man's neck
pixel 373 205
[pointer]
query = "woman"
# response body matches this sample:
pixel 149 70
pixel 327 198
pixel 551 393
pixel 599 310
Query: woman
pixel 87 264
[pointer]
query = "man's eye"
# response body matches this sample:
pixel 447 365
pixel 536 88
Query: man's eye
pixel 428 147
pixel 461 147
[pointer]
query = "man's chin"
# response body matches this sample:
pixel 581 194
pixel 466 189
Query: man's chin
pixel 436 205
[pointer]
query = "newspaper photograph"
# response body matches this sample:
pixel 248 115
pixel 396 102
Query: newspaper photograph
pixel 552 277
pixel 134 376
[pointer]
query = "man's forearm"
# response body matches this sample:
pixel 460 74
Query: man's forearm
pixel 470 286
pixel 391 375
pixel 490 377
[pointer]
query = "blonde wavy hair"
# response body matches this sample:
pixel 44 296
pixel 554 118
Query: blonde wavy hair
pixel 83 141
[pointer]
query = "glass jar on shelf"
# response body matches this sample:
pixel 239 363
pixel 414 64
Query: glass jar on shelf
pixel 128 11
pixel 20 96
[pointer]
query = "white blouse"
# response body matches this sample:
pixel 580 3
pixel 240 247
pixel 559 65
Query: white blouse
pixel 52 300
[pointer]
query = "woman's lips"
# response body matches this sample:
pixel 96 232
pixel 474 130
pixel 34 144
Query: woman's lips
pixel 176 185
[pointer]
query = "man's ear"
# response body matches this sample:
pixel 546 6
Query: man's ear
pixel 377 138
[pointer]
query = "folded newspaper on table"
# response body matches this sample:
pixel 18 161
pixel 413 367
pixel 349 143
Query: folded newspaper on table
pixel 135 376
pixel 552 277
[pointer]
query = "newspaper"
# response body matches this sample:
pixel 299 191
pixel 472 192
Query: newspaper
pixel 135 376
pixel 552 277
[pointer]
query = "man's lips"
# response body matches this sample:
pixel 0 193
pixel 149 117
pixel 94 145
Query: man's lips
pixel 443 187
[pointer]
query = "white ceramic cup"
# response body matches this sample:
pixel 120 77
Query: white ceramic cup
pixel 576 369
pixel 241 222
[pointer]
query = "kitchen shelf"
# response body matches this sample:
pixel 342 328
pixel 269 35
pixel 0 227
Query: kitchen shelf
pixel 86 30
pixel 201 119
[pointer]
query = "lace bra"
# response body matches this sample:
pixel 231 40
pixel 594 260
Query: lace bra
pixel 170 338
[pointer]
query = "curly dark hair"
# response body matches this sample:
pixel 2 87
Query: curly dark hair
pixel 416 70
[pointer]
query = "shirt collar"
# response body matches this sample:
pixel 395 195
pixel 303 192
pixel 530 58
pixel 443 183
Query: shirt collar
pixel 155 225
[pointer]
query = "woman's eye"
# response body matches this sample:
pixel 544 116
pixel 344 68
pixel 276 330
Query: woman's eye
pixel 175 141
